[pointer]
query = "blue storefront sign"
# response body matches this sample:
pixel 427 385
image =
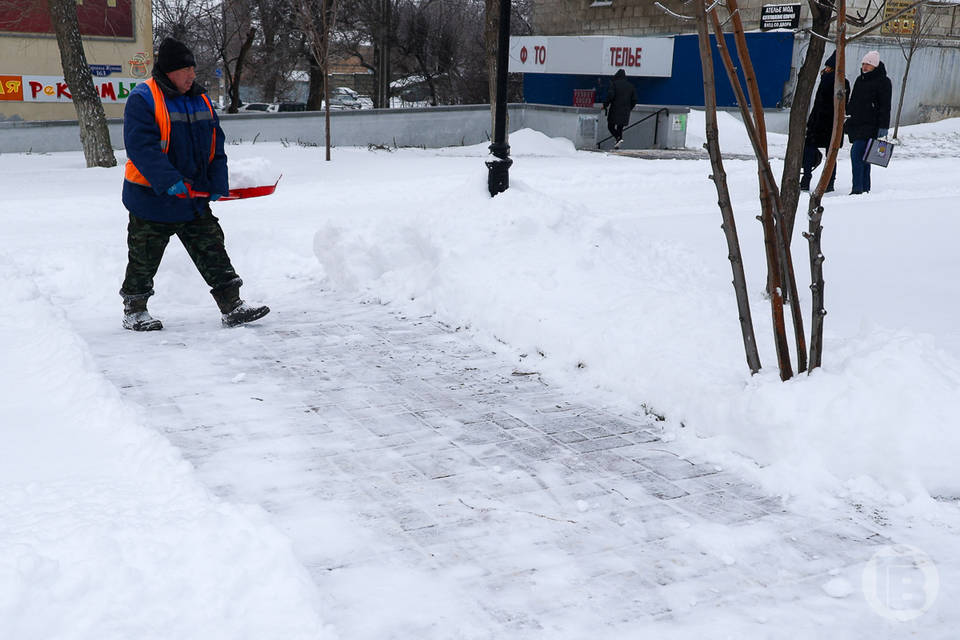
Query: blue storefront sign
pixel 772 55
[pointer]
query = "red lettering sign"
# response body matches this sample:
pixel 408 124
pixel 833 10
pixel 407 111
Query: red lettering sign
pixel 625 56
pixel 63 91
pixel 523 55
pixel 540 54
pixel 35 89
pixel 11 88
pixel 106 91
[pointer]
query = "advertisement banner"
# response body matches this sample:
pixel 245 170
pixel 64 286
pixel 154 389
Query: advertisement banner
pixel 592 55
pixel 11 88
pixel 54 89
pixel 103 18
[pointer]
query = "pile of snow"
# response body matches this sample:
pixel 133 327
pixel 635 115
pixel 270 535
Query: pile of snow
pixel 104 531
pixel 523 143
pixel 252 172
pixel 733 135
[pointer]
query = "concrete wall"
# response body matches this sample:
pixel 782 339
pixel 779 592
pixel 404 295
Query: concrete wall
pixel 933 86
pixel 431 128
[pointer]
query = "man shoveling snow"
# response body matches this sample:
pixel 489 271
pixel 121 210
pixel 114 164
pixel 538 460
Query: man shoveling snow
pixel 173 137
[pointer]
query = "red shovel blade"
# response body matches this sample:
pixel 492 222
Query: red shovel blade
pixel 235 194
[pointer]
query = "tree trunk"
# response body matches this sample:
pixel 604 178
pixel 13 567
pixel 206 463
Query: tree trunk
pixel 903 90
pixel 94 134
pixel 815 210
pixel 490 34
pixel 328 17
pixel 772 247
pixel 769 192
pixel 315 91
pixel 719 178
pixel 382 54
pixel 238 70
pixel 799 109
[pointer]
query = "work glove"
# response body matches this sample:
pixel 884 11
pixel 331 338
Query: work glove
pixel 177 189
pixel 215 196
pixel 883 133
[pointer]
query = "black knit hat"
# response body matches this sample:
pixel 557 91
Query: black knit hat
pixel 173 55
pixel 831 61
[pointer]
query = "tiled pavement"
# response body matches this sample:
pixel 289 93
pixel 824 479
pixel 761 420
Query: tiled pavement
pixel 386 446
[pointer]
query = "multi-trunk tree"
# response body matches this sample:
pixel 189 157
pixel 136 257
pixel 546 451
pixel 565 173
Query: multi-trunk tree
pixel 778 202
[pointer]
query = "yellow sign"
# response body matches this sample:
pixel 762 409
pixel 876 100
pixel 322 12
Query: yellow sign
pixel 903 25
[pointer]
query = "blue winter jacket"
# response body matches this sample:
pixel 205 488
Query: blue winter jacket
pixel 192 127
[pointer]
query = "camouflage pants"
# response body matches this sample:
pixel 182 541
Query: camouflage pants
pixel 203 240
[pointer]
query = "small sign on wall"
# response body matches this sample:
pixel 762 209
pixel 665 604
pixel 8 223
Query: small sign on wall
pixel 584 98
pixel 780 16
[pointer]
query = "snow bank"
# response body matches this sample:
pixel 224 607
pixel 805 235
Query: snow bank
pixel 733 135
pixel 104 532
pixel 614 277
pixel 524 142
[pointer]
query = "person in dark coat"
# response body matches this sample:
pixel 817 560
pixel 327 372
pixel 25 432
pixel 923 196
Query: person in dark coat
pixel 621 99
pixel 869 111
pixel 820 124
pixel 173 139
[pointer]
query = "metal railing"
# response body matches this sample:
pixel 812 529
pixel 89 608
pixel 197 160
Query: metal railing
pixel 656 125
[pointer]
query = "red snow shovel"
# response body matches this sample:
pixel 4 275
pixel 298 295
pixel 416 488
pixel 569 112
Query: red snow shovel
pixel 235 194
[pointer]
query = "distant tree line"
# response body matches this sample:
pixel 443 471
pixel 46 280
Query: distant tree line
pixel 438 46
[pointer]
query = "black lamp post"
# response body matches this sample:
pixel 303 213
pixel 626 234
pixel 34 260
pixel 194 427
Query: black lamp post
pixel 498 179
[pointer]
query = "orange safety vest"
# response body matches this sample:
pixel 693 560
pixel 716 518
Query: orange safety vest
pixel 162 116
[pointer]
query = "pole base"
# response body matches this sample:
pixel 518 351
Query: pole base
pixel 498 179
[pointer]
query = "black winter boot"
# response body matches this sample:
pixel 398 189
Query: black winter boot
pixel 805 182
pixel 235 311
pixel 136 317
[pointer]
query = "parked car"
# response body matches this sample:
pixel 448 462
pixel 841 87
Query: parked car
pixel 261 107
pixel 292 106
pixel 344 98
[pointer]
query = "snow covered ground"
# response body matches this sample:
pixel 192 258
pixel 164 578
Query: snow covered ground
pixel 606 276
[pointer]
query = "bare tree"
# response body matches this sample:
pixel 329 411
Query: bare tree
pixel 94 135
pixel 775 224
pixel 491 28
pixel 912 36
pixel 173 19
pixel 318 18
pixel 367 29
pixel 719 178
pixel 436 40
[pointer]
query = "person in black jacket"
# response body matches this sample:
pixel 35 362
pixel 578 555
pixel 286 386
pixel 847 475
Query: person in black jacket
pixel 820 124
pixel 621 99
pixel 869 111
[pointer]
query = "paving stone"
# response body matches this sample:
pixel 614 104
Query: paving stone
pixel 426 453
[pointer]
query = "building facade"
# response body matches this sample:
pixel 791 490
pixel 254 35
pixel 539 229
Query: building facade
pixel 565 29
pixel 644 18
pixel 117 39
